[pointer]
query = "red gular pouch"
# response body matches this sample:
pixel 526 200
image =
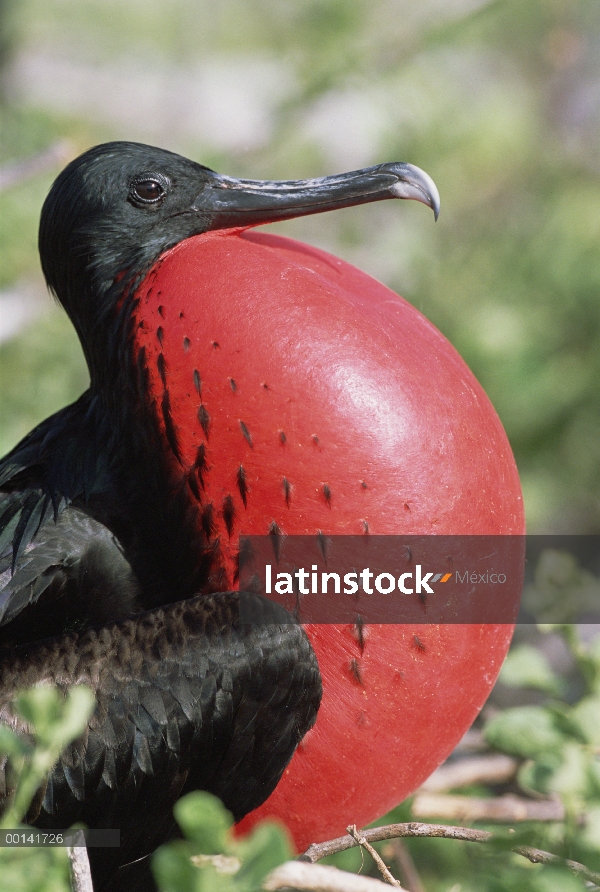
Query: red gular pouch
pixel 296 396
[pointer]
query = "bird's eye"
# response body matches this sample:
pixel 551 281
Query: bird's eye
pixel 147 191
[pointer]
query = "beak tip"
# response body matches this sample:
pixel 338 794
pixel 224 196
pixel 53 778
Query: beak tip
pixel 431 191
pixel 435 203
pixel 416 184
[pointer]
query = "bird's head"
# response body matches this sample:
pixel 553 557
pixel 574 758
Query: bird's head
pixel 114 210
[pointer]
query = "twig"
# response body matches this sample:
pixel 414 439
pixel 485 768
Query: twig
pixel 398 850
pixel 508 809
pixel 318 878
pixel 492 769
pixel 538 856
pixel 317 851
pixel 384 871
pixel 81 875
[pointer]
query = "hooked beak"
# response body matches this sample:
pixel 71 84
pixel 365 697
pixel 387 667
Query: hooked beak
pixel 230 202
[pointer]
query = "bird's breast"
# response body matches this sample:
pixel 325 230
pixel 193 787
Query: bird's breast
pixel 294 393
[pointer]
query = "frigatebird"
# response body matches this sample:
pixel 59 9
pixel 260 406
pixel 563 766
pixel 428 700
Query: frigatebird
pixel 107 577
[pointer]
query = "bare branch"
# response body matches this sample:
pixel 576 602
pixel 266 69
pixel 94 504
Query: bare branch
pixel 317 851
pixel 318 878
pixel 383 869
pixel 507 809
pixel 495 768
pixel 537 856
pixel 81 875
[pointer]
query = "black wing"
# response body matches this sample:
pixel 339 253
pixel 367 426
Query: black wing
pixel 60 568
pixel 71 574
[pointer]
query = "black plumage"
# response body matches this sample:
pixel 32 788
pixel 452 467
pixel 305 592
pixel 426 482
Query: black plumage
pixel 107 575
pixel 187 698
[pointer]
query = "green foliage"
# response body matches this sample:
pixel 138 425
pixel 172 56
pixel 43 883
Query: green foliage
pixel 210 859
pixel 559 739
pixel 34 870
pixel 55 720
pixel 527 731
pixel 203 820
pixel 527 667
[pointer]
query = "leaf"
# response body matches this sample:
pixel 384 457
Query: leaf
pixel 76 710
pixel 565 722
pixel 34 870
pixel 11 744
pixel 204 819
pixel 536 777
pixel 173 869
pixel 571 778
pixel 527 731
pixel 177 869
pixel 586 714
pixel 57 719
pixel 262 852
pixel 527 667
pixel 40 707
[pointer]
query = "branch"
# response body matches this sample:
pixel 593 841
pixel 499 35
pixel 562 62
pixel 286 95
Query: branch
pixel 318 878
pixel 81 875
pixel 508 809
pixel 374 855
pixel 537 856
pixel 495 768
pixel 320 850
pixel 317 851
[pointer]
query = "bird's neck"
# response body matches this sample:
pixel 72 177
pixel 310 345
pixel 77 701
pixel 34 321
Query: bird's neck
pixel 158 514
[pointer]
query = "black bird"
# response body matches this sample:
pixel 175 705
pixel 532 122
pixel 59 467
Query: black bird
pixel 104 578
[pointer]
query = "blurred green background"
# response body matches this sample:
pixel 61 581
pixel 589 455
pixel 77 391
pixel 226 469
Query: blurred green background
pixel 499 101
